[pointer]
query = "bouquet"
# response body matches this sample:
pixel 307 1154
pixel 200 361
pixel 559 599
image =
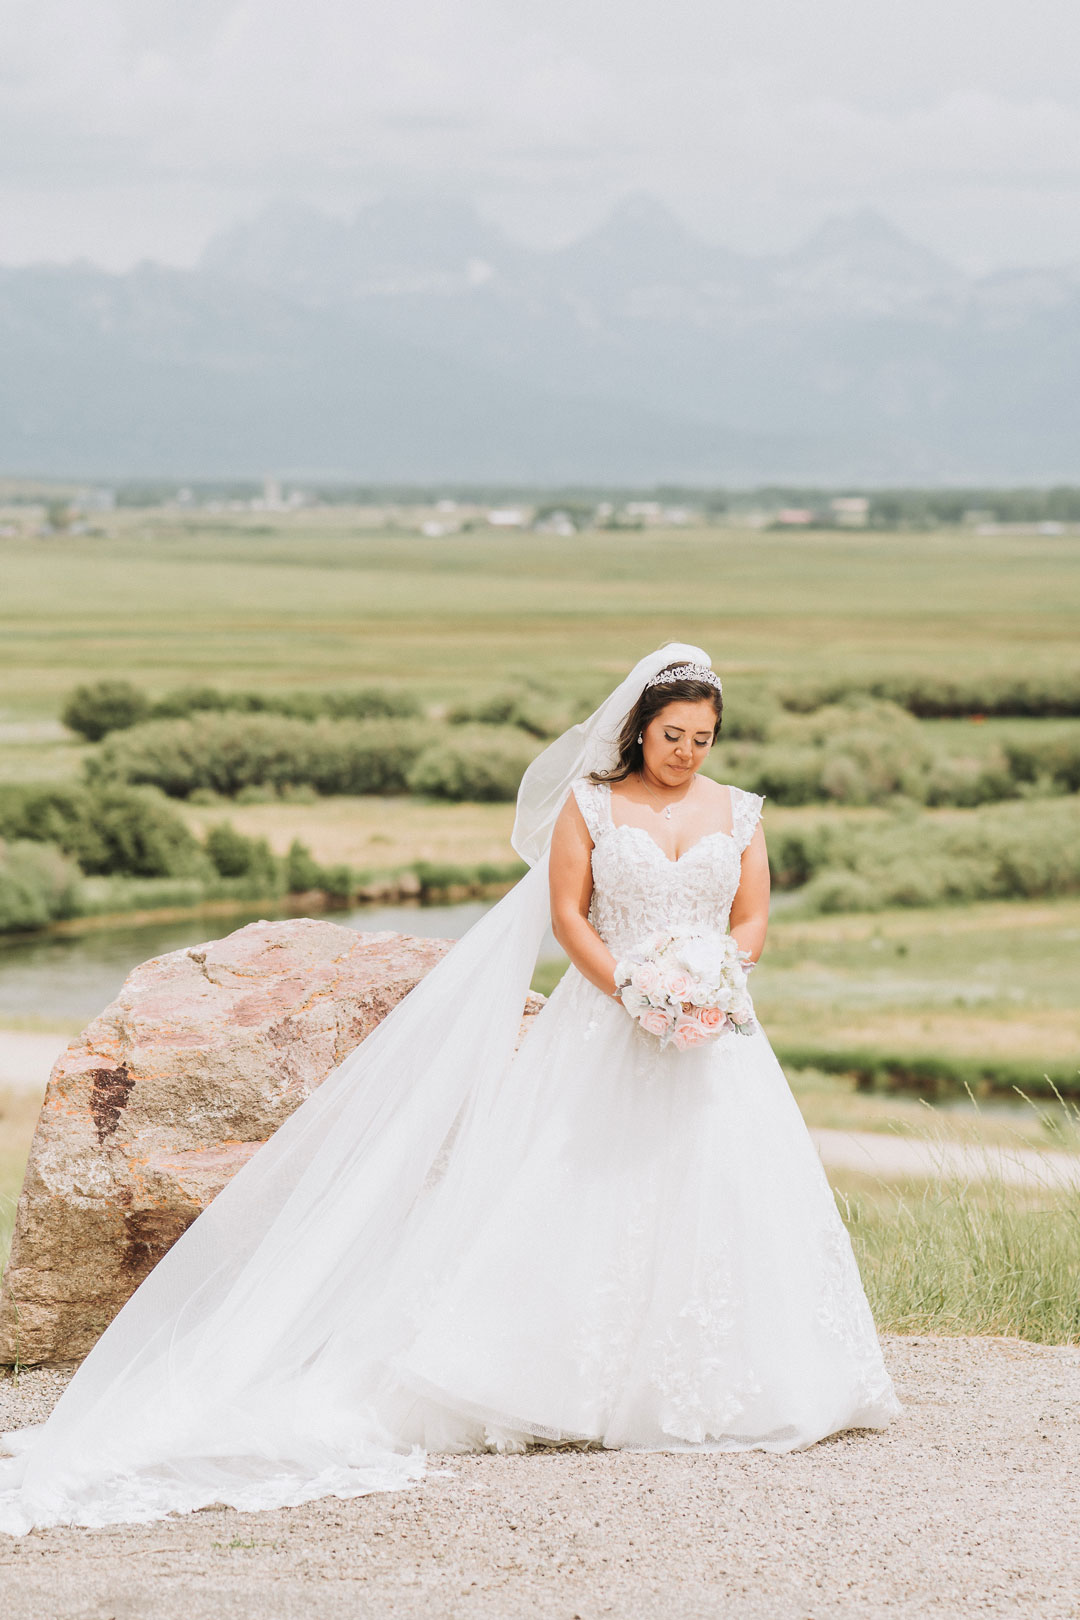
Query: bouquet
pixel 687 988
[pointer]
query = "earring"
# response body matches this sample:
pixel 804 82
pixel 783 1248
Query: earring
pixel 639 736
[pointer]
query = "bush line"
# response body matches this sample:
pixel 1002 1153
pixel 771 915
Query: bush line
pixel 935 1075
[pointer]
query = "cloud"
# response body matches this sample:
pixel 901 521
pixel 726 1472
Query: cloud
pixel 140 120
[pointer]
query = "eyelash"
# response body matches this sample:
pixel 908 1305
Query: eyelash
pixel 702 744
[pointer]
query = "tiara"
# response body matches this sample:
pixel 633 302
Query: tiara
pixel 686 672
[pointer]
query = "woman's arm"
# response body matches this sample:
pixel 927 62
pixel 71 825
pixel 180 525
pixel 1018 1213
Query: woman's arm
pixel 749 920
pixel 571 890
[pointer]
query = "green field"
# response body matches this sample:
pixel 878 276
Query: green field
pixel 320 600
pixel 330 603
pixel 316 600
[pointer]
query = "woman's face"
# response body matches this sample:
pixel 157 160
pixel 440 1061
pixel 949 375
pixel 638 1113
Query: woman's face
pixel 677 740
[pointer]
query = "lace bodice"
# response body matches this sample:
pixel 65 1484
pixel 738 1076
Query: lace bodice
pixel 638 889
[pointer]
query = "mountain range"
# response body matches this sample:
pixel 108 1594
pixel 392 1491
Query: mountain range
pixel 418 342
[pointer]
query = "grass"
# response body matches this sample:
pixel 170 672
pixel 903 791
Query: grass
pixel 320 600
pixel 942 1256
pixel 955 1257
pixel 990 984
pixel 18 1116
pixel 831 1102
pixel 372 833
pixel 324 604
pixel 983 983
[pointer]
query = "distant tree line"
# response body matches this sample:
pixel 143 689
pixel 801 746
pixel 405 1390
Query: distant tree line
pixel 889 508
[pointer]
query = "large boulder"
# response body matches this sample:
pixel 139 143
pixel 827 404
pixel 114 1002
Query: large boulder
pixel 163 1097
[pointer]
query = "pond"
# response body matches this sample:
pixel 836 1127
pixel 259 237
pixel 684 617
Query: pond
pixel 64 980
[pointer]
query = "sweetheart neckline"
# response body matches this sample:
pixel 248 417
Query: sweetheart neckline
pixel 626 826
pixel 616 826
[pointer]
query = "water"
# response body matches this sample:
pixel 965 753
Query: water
pixel 64 980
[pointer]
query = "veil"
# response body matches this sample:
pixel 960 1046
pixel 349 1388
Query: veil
pixel 200 1389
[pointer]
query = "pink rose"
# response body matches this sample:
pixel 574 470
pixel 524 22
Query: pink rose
pixel 654 1021
pixel 645 977
pixel 679 986
pixel 689 1034
pixel 712 1017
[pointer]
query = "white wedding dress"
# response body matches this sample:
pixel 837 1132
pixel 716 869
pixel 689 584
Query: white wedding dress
pixel 662 1264
pixel 448 1247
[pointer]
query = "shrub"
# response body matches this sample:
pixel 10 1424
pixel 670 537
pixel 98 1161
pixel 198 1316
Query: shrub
pixel 38 885
pixel 302 870
pixel 749 716
pixel 363 703
pixel 135 833
pixel 998 852
pixel 1054 760
pixel 838 890
pixel 228 753
pixel 956 779
pixel 187 700
pixel 339 882
pixel 783 772
pixel 858 752
pixel 531 709
pixel 43 813
pixel 234 855
pixel 938 696
pixel 108 829
pixel 103 706
pixel 371 703
pixel 478 763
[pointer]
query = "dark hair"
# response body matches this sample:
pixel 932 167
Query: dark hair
pixel 648 706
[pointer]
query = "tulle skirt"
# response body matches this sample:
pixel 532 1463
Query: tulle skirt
pixel 660 1265
pixel 625 1248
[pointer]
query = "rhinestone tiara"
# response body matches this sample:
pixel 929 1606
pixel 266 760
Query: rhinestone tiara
pixel 686 672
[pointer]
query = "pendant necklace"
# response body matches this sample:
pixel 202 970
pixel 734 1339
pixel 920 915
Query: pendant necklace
pixel 665 808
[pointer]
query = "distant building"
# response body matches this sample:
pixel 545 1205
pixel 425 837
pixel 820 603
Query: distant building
pixel 850 511
pixel 556 523
pixel 794 517
pixel 507 517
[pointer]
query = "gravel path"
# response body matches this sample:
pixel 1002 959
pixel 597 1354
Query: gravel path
pixel 880 1153
pixel 968 1506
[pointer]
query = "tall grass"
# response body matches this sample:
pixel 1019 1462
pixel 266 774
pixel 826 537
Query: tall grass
pixel 971 1255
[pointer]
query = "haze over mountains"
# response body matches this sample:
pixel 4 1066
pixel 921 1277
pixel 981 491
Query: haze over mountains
pixel 419 343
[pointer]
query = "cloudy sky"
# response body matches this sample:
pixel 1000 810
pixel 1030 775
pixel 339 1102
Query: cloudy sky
pixel 135 128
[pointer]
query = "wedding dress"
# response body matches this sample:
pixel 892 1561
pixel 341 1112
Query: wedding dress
pixel 449 1248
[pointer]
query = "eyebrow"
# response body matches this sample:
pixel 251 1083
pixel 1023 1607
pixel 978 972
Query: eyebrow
pixel 702 731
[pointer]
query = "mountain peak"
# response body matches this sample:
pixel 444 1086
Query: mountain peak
pixel 640 211
pixel 864 237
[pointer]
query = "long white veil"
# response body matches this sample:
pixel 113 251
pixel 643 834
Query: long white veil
pixel 201 1388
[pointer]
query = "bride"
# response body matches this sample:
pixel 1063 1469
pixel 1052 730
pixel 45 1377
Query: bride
pixel 448 1247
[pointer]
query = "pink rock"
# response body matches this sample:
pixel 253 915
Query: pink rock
pixel 167 1093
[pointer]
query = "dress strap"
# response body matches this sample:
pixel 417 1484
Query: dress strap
pixel 594 802
pixel 745 815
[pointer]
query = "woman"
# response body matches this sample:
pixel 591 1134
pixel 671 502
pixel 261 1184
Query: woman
pixel 449 1248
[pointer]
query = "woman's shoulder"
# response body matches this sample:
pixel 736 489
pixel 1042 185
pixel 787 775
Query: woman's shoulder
pixel 741 795
pixel 745 813
pixel 590 798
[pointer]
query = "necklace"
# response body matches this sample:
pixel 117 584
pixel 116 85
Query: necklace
pixel 665 808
